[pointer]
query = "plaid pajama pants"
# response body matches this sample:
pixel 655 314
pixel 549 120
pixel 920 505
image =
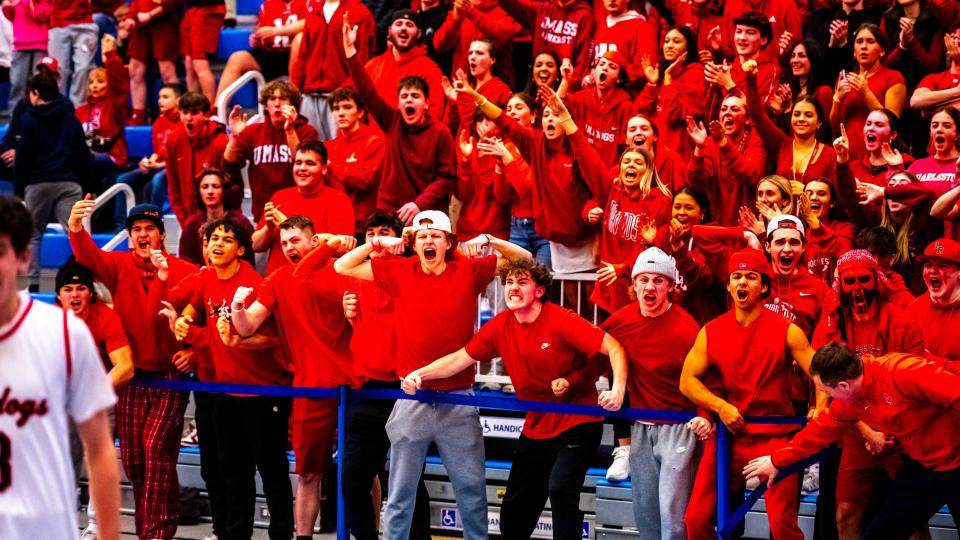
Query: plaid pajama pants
pixel 150 424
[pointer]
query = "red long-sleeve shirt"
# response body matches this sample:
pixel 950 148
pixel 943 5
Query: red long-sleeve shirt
pixel 129 281
pixel 386 71
pixel 903 395
pixel 160 131
pixel 353 166
pixel 490 22
pixel 729 175
pixel 631 35
pixel 567 31
pixel 669 106
pixel 189 156
pixel 418 162
pixel 603 120
pixel 322 47
pixel 106 116
pixel 485 194
pixel 825 244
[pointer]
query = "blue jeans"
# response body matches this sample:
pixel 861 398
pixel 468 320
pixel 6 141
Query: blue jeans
pixel 524 235
pixel 106 24
pixel 148 186
pixel 456 430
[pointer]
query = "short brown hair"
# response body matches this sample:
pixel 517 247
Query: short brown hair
pixel 539 273
pixel 298 222
pixel 287 91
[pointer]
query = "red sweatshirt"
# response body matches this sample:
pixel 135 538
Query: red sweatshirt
pixel 825 244
pixel 495 90
pixel 630 34
pixel 939 324
pixel 903 395
pixel 353 164
pixel 567 31
pixel 520 177
pixel 699 292
pixel 603 120
pixel 488 21
pixel 322 47
pixel 621 240
pixel 189 156
pixel 669 106
pixel 386 71
pixel 265 148
pixel 67 12
pixel 129 280
pixel 671 167
pixel 485 194
pixel 563 181
pixel 418 162
pixel 783 16
pixel 799 298
pixel 161 130
pixel 277 13
pixel 106 117
pixel 700 18
pixel 729 175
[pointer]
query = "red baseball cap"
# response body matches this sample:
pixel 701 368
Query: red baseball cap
pixel 617 58
pixel 50 63
pixel 749 260
pixel 943 248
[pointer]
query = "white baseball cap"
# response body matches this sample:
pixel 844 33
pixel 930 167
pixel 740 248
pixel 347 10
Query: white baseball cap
pixel 785 221
pixel 432 219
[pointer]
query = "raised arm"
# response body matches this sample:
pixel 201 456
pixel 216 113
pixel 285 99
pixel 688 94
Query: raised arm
pixel 356 262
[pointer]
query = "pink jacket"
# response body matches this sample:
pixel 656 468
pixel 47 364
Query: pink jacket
pixel 30 20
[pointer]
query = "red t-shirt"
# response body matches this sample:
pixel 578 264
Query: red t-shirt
pixel 211 297
pixel 940 81
pixel 330 210
pixel 557 344
pixel 938 324
pixel 435 313
pixel 107 330
pixel 374 333
pixel 312 326
pixel 754 371
pixel 657 347
pixel 280 13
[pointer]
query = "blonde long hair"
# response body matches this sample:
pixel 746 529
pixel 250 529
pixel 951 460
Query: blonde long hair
pixel 650 178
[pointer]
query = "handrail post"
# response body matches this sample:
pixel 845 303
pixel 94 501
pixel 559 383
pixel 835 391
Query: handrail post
pixel 343 528
pixel 723 479
pixel 223 100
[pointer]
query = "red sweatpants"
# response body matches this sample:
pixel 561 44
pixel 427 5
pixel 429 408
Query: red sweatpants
pixel 781 500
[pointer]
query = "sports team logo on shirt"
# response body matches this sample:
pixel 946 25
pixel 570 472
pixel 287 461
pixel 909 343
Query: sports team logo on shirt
pixel 23 409
pixel 216 312
pixel 887 398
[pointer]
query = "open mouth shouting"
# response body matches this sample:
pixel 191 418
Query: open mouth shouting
pixel 430 253
pixel 787 260
pixel 935 285
pixel 293 256
pixel 742 295
pixel 639 140
pixel 860 303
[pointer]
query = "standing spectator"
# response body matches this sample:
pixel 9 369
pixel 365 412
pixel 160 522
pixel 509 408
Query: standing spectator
pixel 105 17
pixel 419 165
pixel 563 27
pixel 269 146
pixel 73 42
pixel 274 43
pixel 150 174
pixel 322 50
pixel 753 36
pixel 30 27
pixel 470 20
pixel 52 163
pixel 104 114
pixel 215 192
pixel 942 89
pixel 199 38
pixel 355 154
pixel 199 145
pixel 481 186
pixel 785 24
pixel 328 209
pixel 626 31
pixel 149 420
pixel 154 31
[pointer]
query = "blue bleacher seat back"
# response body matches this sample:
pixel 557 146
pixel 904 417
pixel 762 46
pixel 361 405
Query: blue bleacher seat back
pixel 248 7
pixel 232 40
pixel 55 248
pixel 139 142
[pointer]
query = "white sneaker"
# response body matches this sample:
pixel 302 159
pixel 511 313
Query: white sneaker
pixel 811 480
pixel 620 468
pixel 90 533
pixel 210 536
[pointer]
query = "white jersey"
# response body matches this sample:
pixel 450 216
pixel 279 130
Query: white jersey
pixel 42 381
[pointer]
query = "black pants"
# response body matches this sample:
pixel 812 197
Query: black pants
pixel 552 467
pixel 210 459
pixel 252 436
pixel 917 494
pixel 364 456
pixel 825 520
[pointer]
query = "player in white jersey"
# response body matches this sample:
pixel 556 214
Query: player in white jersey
pixel 49 369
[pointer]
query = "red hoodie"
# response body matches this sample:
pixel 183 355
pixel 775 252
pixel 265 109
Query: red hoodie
pixel 106 117
pixel 160 131
pixel 265 148
pixel 67 12
pixel 604 121
pixel 418 163
pixel 669 106
pixel 386 71
pixel 129 281
pixel 480 22
pixel 825 244
pixel 322 47
pixel 903 395
pixel 782 14
pixel 567 31
pixel 632 35
pixel 495 90
pixel 485 193
pixel 353 163
pixel 189 156
pixel 729 175
pixel 563 181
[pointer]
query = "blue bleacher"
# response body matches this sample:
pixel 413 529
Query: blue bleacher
pixel 55 248
pixel 46 298
pixel 248 7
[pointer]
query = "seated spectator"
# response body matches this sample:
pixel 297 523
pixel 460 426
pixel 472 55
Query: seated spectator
pixel 53 161
pixel 153 28
pixel 199 145
pixel 355 155
pixel 150 176
pixel 940 89
pixel 274 43
pixel 214 190
pixel 269 146
pixel 30 27
pixel 104 114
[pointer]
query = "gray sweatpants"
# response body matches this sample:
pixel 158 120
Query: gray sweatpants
pixel 74 47
pixel 456 430
pixel 663 465
pixel 45 201
pixel 319 113
pixel 21 68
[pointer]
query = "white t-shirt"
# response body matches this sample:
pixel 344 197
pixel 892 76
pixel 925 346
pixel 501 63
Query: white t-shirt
pixel 37 487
